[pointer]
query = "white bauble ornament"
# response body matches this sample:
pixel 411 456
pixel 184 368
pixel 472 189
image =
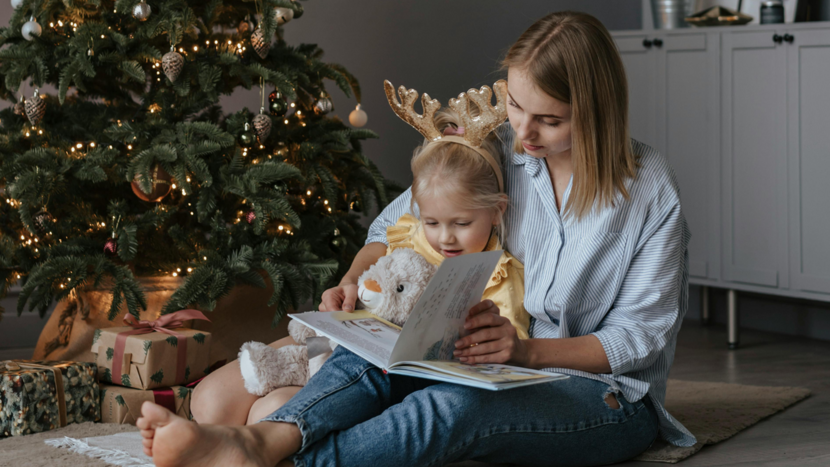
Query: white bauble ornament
pixel 142 11
pixel 31 29
pixel 16 4
pixel 358 117
pixel 283 15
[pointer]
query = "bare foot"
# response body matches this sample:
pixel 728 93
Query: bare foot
pixel 175 442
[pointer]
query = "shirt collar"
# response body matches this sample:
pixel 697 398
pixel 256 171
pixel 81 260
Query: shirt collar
pixel 532 164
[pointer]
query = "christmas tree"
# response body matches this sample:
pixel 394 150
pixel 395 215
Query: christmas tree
pixel 132 169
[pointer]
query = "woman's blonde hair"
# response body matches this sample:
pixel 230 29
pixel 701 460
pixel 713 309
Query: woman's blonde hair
pixel 437 166
pixel 572 58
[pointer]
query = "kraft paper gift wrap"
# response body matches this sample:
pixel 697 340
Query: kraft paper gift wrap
pixel 123 405
pixel 32 400
pixel 153 360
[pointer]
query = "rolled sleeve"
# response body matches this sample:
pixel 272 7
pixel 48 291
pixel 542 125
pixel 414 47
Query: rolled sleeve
pixel 652 301
pixel 389 216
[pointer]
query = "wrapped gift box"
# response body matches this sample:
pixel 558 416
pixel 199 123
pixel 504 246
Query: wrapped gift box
pixel 152 360
pixel 33 400
pixel 123 405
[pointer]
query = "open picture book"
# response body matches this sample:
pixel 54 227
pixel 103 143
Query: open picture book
pixel 424 346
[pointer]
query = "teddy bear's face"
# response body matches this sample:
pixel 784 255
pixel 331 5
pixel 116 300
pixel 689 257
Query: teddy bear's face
pixel 392 286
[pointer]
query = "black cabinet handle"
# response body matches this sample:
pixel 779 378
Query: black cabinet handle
pixel 659 42
pixel 777 39
pixel 646 43
pixel 788 38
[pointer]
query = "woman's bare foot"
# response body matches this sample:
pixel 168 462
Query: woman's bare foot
pixel 173 441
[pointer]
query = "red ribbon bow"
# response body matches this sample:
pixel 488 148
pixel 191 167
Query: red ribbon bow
pixel 163 324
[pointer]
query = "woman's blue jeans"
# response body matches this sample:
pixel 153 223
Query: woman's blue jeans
pixel 352 414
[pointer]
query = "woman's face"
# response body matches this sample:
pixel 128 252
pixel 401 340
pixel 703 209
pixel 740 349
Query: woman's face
pixel 541 122
pixel 451 229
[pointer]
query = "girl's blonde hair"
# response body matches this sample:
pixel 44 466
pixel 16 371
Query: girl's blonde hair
pixel 437 166
pixel 572 58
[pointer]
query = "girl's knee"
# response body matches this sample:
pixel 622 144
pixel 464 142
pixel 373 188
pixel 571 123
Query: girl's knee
pixel 269 404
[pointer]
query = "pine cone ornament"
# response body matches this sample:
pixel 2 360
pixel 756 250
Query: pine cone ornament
pixel 250 217
pixel 172 63
pixel 260 43
pixel 43 222
pixel 35 108
pixel 262 126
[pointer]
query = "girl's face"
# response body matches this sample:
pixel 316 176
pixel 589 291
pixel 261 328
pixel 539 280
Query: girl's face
pixel 541 122
pixel 453 230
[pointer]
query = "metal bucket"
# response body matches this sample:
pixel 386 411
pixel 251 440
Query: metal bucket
pixel 670 14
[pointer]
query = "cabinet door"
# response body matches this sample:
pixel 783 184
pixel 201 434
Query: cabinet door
pixel 688 88
pixel 639 71
pixel 808 66
pixel 754 159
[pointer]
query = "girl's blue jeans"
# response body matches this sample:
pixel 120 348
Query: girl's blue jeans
pixel 352 414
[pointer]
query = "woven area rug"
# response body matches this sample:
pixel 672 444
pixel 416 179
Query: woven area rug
pixel 712 411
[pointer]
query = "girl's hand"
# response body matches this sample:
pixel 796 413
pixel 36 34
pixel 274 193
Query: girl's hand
pixel 342 297
pixel 493 338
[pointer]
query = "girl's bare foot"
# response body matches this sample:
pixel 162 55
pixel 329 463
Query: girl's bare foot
pixel 173 441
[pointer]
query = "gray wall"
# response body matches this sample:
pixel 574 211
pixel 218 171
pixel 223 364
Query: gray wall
pixel 443 48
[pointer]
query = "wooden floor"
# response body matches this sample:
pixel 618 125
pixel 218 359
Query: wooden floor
pixel 799 436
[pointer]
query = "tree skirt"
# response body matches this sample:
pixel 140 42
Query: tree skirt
pixel 712 411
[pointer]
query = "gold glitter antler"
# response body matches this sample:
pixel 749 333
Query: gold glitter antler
pixel 489 118
pixel 423 123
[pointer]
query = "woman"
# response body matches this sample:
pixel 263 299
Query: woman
pixel 596 220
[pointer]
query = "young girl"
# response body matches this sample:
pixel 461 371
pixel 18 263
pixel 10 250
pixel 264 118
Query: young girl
pixel 464 216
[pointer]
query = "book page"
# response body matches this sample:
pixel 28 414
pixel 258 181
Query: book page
pixel 486 372
pixel 365 334
pixel 437 320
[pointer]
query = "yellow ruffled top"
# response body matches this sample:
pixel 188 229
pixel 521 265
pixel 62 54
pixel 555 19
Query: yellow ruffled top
pixel 506 287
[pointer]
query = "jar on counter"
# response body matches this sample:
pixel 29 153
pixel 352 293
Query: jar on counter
pixel 772 12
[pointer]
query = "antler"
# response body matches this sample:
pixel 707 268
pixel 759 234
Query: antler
pixel 423 123
pixel 489 118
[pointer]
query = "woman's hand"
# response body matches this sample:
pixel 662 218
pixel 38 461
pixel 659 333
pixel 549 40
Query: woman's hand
pixel 492 338
pixel 342 297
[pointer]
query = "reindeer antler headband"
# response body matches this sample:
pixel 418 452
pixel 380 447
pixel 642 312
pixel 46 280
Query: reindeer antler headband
pixel 476 128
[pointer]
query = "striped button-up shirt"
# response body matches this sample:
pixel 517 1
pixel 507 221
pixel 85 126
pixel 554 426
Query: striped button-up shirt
pixel 619 273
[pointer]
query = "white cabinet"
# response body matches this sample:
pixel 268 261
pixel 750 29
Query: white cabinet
pixel 754 158
pixel 808 118
pixel 743 116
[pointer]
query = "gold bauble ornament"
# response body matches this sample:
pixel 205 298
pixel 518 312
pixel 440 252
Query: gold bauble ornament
pixel 161 184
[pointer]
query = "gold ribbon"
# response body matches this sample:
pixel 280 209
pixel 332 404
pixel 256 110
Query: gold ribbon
pixel 12 365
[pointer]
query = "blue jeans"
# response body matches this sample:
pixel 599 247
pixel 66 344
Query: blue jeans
pixel 352 414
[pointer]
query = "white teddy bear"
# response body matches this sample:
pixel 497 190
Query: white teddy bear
pixel 389 289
